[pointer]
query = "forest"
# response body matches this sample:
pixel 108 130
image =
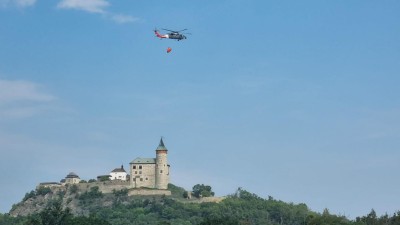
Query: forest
pixel 240 208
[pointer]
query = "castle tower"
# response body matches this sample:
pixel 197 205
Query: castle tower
pixel 162 167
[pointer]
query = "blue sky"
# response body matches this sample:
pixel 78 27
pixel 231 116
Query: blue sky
pixel 298 100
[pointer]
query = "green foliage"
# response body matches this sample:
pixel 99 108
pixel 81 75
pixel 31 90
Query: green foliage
pixel 29 195
pixel 61 193
pixel 87 221
pixel 372 219
pixel 327 218
pixel 201 190
pixel 82 181
pixel 92 180
pixel 176 192
pixel 43 191
pixel 89 196
pixel 121 193
pixel 220 221
pixel 104 178
pixel 8 220
pixel 40 191
pixel 54 214
pixel 73 189
pixel 240 208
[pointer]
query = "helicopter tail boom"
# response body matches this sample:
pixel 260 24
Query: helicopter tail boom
pixel 160 35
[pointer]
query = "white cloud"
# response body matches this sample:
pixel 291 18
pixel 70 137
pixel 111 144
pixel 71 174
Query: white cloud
pixel 12 91
pixel 119 18
pixel 96 6
pixel 19 3
pixel 92 6
pixel 22 99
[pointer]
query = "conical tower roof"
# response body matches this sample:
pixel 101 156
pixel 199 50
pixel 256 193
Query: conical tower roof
pixel 161 146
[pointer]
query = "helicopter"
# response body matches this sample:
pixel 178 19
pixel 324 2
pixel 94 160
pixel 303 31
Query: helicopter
pixel 177 35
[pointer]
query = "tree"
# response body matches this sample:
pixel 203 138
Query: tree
pixel 201 190
pixel 104 178
pixel 91 195
pixel 29 195
pixel 43 190
pixel 371 218
pixel 81 220
pixel 220 221
pixel 54 214
pixel 73 189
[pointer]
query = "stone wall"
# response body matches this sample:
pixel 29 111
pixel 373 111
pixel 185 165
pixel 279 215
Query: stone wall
pixel 108 187
pixel 105 186
pixel 133 192
pixel 162 170
pixel 206 199
pixel 144 177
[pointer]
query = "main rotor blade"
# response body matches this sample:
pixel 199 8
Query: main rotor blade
pixel 174 30
pixel 170 30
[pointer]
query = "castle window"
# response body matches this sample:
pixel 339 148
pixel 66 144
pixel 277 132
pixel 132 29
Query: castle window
pixel 135 172
pixel 141 179
pixel 147 178
pixel 160 171
pixel 140 167
pixel 134 167
pixel 140 172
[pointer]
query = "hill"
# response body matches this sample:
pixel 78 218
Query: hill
pixel 117 208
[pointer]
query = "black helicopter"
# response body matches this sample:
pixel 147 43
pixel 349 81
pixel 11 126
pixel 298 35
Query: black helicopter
pixel 177 35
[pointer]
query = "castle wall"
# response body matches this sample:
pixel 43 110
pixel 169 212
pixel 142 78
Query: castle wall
pixel 143 175
pixel 106 186
pixel 133 192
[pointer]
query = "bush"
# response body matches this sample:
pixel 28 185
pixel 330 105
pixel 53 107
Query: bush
pixel 201 190
pixel 73 189
pixel 92 194
pixel 61 194
pixel 29 195
pixel 104 178
pixel 176 192
pixel 120 193
pixel 43 191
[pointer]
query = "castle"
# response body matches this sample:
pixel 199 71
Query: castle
pixel 150 173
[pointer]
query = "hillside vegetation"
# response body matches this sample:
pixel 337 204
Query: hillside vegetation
pixel 240 208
